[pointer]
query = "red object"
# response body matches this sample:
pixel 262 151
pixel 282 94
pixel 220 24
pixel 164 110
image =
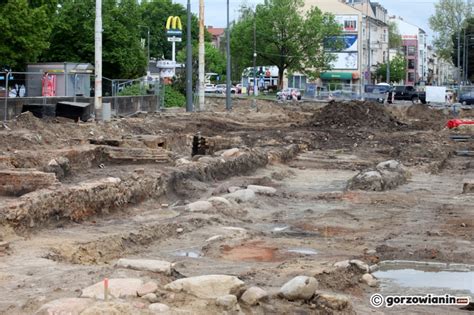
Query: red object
pixel 454 123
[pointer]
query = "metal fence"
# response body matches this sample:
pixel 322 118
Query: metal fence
pixel 36 88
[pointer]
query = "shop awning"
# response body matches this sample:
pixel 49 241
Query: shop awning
pixel 336 75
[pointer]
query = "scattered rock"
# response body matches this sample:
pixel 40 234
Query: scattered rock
pixel 182 161
pixel 369 280
pixel 386 175
pixel 216 201
pixel 199 206
pixel 4 246
pixel 149 287
pixel 151 297
pixel 335 302
pixel 241 195
pixel 228 301
pixel 179 230
pixel 264 190
pixel 342 264
pixel 159 308
pixel 253 295
pixel 360 264
pixel 158 266
pixel 299 288
pixel 373 268
pixel 71 306
pixel 231 153
pixel 207 287
pixel 118 288
pixel 468 187
pixel 232 189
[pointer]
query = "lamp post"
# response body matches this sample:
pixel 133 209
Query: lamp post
pixel 98 59
pixel 148 44
pixel 228 101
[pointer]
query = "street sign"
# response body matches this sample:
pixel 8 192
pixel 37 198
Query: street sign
pixel 174 39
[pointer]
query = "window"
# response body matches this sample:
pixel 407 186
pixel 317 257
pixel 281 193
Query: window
pixel 297 82
pixel 411 50
pixel 411 64
pixel 411 77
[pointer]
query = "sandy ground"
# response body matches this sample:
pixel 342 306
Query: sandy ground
pixel 310 223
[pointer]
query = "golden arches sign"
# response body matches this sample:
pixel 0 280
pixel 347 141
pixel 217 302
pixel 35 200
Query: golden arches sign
pixel 174 23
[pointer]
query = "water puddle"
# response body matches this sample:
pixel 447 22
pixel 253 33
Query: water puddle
pixel 303 251
pixel 424 278
pixel 188 253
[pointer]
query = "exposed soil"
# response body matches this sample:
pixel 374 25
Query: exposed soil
pixel 124 188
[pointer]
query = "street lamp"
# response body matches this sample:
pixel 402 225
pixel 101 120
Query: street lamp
pixel 228 101
pixel 189 61
pixel 148 44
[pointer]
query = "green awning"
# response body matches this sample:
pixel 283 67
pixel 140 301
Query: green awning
pixel 336 75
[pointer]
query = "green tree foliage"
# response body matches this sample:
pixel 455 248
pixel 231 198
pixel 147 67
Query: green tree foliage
pixel 448 21
pixel 285 37
pixel 24 30
pixel 394 37
pixel 398 69
pixel 173 98
pixel 73 36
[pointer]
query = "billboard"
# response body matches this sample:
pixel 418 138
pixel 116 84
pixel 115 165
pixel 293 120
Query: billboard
pixel 349 42
pixel 349 23
pixel 346 61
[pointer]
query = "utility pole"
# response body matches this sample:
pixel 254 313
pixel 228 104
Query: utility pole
pixel 459 56
pixel 228 100
pixel 388 56
pixel 98 60
pixel 254 101
pixel 189 62
pixel 201 56
pixel 148 44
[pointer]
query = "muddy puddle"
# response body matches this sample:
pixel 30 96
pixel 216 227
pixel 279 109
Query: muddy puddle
pixel 424 278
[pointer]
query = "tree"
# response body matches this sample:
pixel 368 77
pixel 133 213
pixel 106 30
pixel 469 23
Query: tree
pixel 285 37
pixel 72 38
pixel 448 21
pixel 394 37
pixel 398 69
pixel 25 32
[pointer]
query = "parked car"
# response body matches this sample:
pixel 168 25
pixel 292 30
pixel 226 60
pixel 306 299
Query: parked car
pixel 407 93
pixel 287 94
pixel 239 88
pixel 222 88
pixel 467 98
pixel 210 88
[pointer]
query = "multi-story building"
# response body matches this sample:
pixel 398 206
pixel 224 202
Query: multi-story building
pixel 365 32
pixel 217 34
pixel 414 46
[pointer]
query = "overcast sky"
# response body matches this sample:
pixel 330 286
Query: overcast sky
pixel 414 11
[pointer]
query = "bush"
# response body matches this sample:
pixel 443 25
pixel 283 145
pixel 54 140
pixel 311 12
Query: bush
pixel 173 98
pixel 133 90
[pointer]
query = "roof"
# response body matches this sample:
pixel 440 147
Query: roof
pixel 215 31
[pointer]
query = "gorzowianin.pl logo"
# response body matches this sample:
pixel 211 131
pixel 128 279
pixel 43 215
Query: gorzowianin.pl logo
pixel 378 300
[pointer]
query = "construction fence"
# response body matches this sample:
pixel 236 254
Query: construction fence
pixel 125 96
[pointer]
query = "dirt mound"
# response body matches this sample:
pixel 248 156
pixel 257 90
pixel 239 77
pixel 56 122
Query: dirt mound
pixel 355 115
pixel 427 118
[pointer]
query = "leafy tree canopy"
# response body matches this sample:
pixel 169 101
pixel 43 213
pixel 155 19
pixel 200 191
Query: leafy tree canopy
pixel 398 69
pixel 285 37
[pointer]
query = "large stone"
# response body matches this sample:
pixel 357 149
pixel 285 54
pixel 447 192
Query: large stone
pixel 118 288
pixel 149 287
pixel 253 296
pixel 360 264
pixel 199 206
pixel 158 266
pixel 342 264
pixel 369 280
pixel 335 302
pixel 370 180
pixel 228 301
pixel 264 190
pixel 231 153
pixel 158 308
pixel 151 297
pixel 220 201
pixel 241 195
pixel 207 287
pixel 72 306
pixel 299 288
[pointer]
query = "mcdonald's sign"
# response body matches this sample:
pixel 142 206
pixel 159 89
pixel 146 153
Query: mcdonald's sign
pixel 174 28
